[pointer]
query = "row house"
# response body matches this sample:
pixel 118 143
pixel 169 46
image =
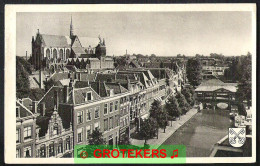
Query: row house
pixel 25 131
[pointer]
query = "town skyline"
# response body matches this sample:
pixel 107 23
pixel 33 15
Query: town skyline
pixel 146 38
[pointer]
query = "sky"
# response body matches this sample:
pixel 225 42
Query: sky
pixel 159 33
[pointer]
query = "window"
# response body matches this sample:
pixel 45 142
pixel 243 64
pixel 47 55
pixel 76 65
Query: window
pixel 17 135
pixel 42 151
pixel 110 122
pixel 27 132
pixel 111 107
pixel 116 105
pixel 88 131
pixel 27 152
pixel 18 153
pixel 51 150
pixel 96 112
pixel 105 109
pixel 117 120
pixel 68 143
pixel 60 147
pixel 88 115
pixel 17 112
pixel 105 124
pixel 96 125
pixel 126 121
pixel 80 117
pixel 89 96
pixel 55 129
pixel 80 131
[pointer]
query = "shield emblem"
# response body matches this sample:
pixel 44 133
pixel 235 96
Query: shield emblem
pixel 237 136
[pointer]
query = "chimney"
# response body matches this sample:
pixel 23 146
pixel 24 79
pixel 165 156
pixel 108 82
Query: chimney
pixel 56 98
pixel 71 82
pixel 79 76
pixel 98 87
pixel 66 93
pixel 34 107
pixel 43 109
pixel 26 55
pixel 40 78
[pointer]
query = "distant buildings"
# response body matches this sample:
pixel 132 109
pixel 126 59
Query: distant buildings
pixel 215 91
pixel 212 68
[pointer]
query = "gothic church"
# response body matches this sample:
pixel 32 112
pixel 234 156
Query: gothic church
pixel 54 51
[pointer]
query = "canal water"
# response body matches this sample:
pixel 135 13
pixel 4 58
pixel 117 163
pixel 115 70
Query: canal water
pixel 201 132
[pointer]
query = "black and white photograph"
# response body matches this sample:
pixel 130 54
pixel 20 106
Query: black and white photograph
pixel 147 78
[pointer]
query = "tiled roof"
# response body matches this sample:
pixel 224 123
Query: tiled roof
pixel 215 84
pixel 99 88
pixel 88 41
pixel 55 41
pixel 24 112
pixel 87 77
pixel 78 50
pixel 59 76
pixel 65 82
pixel 80 92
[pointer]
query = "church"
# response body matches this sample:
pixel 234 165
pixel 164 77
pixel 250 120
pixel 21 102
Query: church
pixel 55 52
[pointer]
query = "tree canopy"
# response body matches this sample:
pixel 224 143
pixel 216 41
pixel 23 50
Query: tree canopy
pixel 96 138
pixel 244 91
pixel 148 128
pixel 172 107
pixel 194 71
pixel 182 103
pixel 22 77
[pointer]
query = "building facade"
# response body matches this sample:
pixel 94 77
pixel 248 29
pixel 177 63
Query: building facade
pixel 25 132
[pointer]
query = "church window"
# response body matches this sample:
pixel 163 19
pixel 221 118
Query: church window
pixel 61 54
pixel 67 53
pixel 48 53
pixel 55 54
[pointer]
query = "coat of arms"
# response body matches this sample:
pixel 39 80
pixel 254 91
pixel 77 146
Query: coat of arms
pixel 237 136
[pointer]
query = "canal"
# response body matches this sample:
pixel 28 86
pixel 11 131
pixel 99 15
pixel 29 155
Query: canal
pixel 201 132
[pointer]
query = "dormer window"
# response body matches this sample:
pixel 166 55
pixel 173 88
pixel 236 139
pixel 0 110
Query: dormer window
pixel 55 129
pixel 88 96
pixel 110 92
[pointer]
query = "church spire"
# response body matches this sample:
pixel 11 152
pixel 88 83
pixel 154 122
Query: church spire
pixel 71 29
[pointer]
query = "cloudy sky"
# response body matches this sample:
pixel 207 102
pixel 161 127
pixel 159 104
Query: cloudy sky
pixel 160 33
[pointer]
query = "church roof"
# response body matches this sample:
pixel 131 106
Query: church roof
pixel 78 50
pixel 55 40
pixel 88 41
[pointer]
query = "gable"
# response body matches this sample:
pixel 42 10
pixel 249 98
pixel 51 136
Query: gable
pixel 76 42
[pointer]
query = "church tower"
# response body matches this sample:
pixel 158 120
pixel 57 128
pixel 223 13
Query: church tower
pixel 71 29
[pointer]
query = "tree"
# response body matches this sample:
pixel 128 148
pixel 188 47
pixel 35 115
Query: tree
pixel 96 138
pixel 162 119
pixel 148 130
pixel 155 108
pixel 244 91
pixel 189 95
pixel 22 78
pixel 182 103
pixel 48 84
pixel 172 108
pixel 194 71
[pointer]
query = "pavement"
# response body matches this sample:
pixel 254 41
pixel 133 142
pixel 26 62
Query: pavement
pixel 169 130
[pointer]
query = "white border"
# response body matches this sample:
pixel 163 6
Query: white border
pixel 10 52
